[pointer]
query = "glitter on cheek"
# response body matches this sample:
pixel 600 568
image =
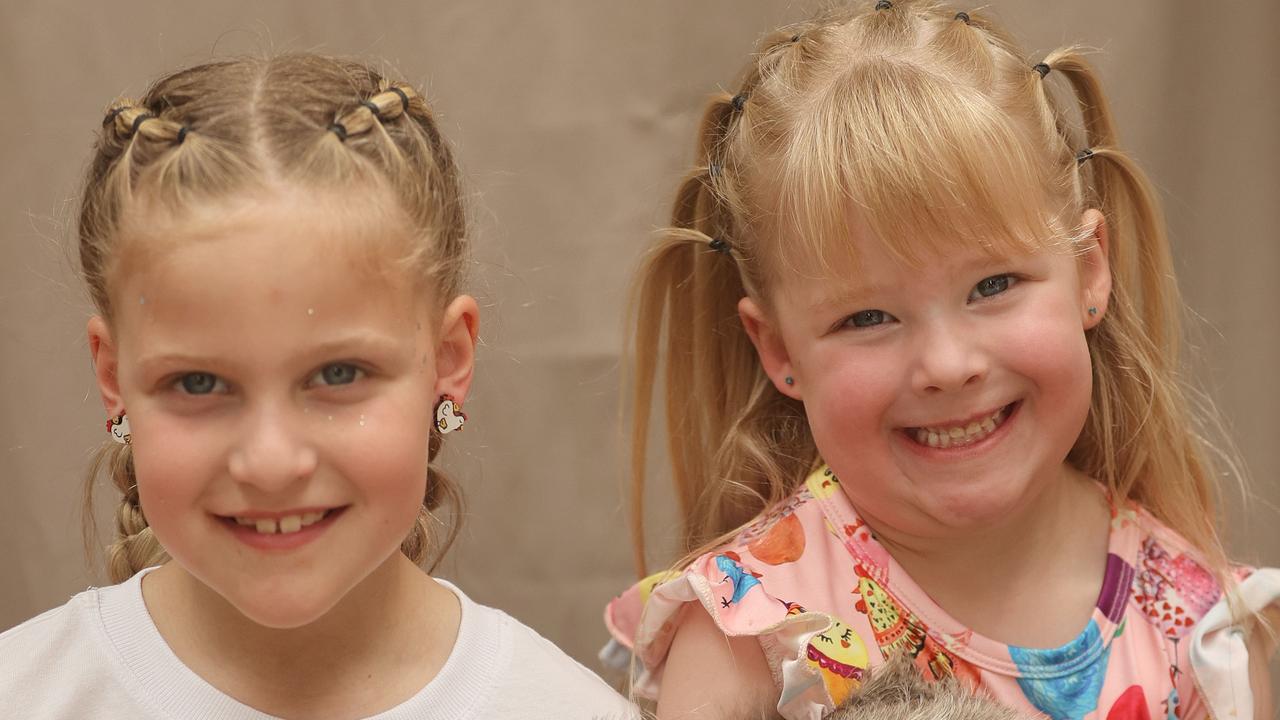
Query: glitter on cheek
pixel 142 299
pixel 311 311
pixel 361 421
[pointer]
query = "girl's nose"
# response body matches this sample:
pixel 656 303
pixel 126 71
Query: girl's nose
pixel 949 358
pixel 273 452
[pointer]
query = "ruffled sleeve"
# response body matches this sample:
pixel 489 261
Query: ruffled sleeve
pixel 644 619
pixel 759 586
pixel 1220 647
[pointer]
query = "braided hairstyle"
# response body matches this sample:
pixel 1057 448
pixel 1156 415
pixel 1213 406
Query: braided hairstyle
pixel 940 131
pixel 227 128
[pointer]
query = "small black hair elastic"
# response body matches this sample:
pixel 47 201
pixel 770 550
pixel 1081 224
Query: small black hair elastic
pixel 884 5
pixel 1083 155
pixel 112 113
pixel 738 101
pixel 372 108
pixel 182 134
pixel 963 17
pixel 720 246
pixel 713 169
pixel 137 122
pixel 340 130
pixel 1041 68
pixel 404 98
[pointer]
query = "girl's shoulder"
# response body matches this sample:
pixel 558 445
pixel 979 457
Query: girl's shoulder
pixel 69 658
pixel 500 667
pixel 781 580
pixel 1219 649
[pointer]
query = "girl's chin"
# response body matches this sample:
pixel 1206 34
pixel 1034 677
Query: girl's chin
pixel 278 613
pixel 980 506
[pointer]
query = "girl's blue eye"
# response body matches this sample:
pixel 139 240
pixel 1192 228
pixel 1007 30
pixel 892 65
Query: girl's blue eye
pixel 868 318
pixel 337 374
pixel 993 285
pixel 199 383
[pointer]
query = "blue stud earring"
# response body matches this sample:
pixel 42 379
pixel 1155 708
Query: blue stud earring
pixel 790 380
pixel 1093 311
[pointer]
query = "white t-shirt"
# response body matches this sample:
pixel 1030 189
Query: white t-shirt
pixel 101 656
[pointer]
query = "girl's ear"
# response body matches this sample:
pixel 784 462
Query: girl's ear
pixel 769 346
pixel 456 347
pixel 1095 270
pixel 103 350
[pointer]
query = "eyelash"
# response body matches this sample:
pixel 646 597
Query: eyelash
pixel 316 379
pixel 1009 279
pixel 881 317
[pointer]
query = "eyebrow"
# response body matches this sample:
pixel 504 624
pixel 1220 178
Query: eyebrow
pixel 346 344
pixel 847 295
pixel 852 294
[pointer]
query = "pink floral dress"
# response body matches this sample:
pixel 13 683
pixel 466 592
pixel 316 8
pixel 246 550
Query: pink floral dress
pixel 827 604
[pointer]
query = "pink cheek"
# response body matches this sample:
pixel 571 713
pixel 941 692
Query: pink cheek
pixel 385 456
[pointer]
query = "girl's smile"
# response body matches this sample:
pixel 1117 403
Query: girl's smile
pixel 281 531
pixel 962 437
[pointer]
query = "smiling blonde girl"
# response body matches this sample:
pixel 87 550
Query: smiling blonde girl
pixel 275 249
pixel 918 336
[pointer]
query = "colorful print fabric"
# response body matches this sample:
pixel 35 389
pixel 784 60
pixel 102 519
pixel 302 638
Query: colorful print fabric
pixel 828 604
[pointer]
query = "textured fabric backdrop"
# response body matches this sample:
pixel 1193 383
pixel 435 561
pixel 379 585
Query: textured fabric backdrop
pixel 572 122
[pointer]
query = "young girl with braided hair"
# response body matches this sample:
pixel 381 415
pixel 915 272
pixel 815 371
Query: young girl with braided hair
pixel 275 249
pixel 918 332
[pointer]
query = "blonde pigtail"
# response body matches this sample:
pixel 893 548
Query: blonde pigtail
pixel 431 537
pixel 1142 438
pixel 135 546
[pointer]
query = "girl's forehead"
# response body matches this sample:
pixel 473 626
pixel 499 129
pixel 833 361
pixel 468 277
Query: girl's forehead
pixel 859 253
pixel 258 285
pixel 362 231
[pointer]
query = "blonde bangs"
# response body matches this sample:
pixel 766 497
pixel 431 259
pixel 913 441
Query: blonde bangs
pixel 910 154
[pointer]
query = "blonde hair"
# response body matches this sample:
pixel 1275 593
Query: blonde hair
pixel 921 118
pixel 218 130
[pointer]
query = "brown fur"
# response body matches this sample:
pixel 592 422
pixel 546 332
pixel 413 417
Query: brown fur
pixel 897 691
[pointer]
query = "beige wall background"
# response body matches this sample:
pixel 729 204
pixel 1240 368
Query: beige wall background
pixel 573 122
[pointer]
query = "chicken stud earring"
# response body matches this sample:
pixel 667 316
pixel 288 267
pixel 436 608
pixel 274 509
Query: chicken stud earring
pixel 118 426
pixel 449 416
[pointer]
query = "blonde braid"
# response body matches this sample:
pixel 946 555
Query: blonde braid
pixel 135 546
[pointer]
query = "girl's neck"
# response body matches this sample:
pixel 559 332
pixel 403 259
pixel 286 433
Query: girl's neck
pixel 1031 581
pixel 385 640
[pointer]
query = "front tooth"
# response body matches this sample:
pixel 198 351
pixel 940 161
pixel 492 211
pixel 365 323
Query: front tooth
pixel 290 523
pixel 973 429
pixel 944 440
pixel 266 526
